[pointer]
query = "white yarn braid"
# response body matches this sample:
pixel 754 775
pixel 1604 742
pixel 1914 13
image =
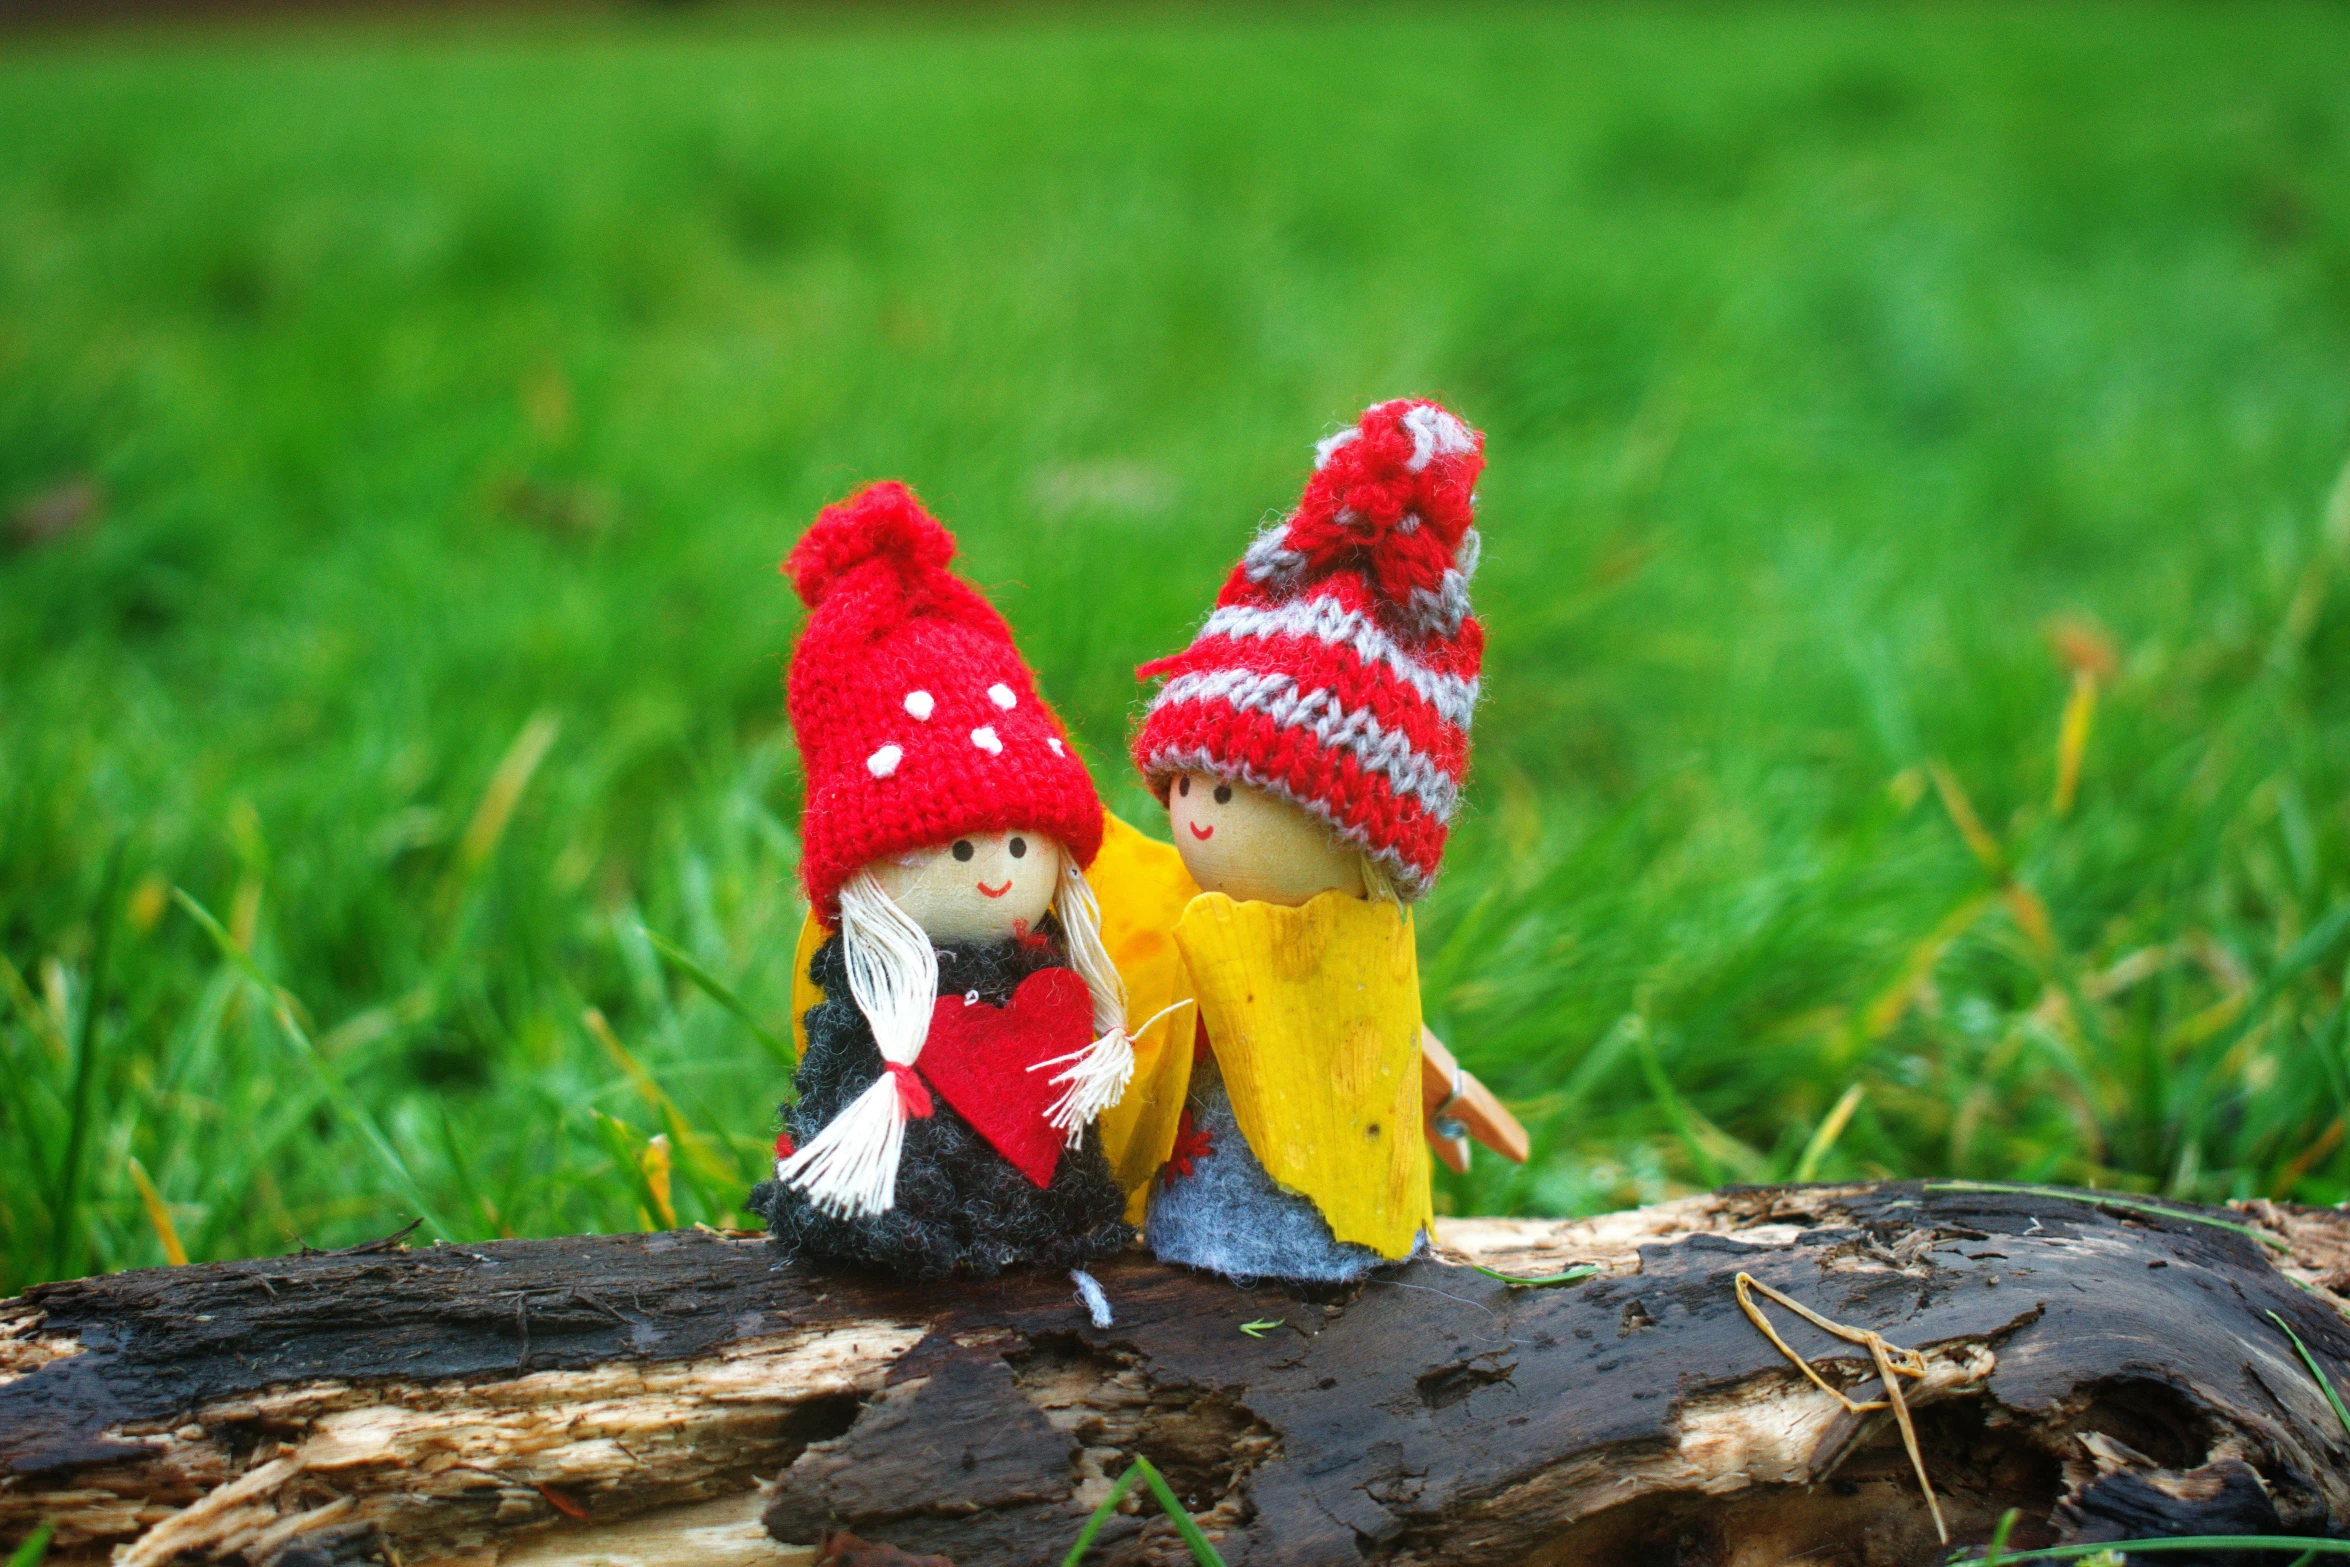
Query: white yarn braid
pixel 851 1167
pixel 1097 1075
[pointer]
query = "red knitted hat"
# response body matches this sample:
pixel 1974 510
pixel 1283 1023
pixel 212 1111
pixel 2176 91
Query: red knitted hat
pixel 1339 669
pixel 917 720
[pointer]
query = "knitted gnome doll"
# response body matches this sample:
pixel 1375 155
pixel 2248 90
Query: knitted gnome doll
pixel 1310 747
pixel 972 1025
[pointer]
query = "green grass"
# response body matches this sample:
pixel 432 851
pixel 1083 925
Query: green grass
pixel 456 388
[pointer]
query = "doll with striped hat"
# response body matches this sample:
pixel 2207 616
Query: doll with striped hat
pixel 1310 746
pixel 968 1025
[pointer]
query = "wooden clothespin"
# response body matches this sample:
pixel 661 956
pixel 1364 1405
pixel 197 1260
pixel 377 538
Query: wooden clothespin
pixel 1459 1107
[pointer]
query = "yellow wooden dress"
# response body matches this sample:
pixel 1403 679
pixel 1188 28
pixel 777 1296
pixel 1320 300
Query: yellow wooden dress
pixel 1143 890
pixel 1314 1014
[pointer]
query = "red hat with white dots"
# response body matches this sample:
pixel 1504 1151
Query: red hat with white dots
pixel 917 720
pixel 1339 670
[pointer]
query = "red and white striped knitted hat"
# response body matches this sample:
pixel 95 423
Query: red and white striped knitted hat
pixel 1339 669
pixel 917 720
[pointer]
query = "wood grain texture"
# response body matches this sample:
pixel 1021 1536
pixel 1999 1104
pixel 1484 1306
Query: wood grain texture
pixel 565 1402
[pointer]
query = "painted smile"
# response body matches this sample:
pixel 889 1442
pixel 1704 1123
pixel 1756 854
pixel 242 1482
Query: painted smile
pixel 986 891
pixel 1203 834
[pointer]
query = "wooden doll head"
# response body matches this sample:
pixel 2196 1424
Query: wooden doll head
pixel 983 886
pixel 1255 847
pixel 1340 665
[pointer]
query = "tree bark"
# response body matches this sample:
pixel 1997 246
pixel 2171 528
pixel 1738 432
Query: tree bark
pixel 665 1400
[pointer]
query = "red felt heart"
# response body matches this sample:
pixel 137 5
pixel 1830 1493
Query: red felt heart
pixel 978 1056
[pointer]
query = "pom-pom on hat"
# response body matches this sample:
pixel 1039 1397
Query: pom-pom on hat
pixel 917 720
pixel 1339 669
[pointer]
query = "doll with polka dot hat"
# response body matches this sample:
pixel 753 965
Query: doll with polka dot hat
pixel 967 1025
pixel 1310 746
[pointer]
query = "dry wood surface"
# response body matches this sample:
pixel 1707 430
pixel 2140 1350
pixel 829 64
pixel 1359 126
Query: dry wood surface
pixel 687 1400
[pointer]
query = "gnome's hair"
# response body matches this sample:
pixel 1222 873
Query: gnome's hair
pixel 1379 882
pixel 1096 1077
pixel 851 1167
pixel 1080 917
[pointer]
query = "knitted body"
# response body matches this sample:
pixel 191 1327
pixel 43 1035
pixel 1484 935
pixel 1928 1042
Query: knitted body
pixel 1227 1215
pixel 961 1208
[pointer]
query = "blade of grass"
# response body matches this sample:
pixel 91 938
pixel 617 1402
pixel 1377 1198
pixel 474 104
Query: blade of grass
pixel 1996 1552
pixel 328 1079
pixel 2072 740
pixel 2325 1383
pixel 35 1547
pixel 1101 1516
pixel 85 1068
pixel 690 1143
pixel 2110 1200
pixel 36 1016
pixel 18 1080
pixel 1876 1020
pixel 1594 1067
pixel 459 1167
pixel 1202 1552
pixel 1660 1088
pixel 1574 1275
pixel 1824 1140
pixel 2304 955
pixel 166 1234
pixel 619 1139
pixel 2280 1187
pixel 495 809
pixel 287 1116
pixel 716 989
pixel 1961 810
pixel 655 1164
pixel 695 1168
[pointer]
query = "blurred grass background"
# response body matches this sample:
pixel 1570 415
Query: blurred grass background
pixel 400 424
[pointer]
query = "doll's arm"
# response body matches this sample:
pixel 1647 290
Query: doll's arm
pixel 1448 1090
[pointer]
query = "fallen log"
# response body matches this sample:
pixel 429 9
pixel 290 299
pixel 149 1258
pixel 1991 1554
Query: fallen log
pixel 685 1400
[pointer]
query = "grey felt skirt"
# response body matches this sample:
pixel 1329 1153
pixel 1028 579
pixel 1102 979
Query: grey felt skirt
pixel 1228 1216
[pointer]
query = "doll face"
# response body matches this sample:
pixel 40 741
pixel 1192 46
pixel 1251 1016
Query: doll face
pixel 1254 847
pixel 984 886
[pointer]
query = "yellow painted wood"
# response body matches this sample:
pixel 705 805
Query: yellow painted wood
pixel 1314 1013
pixel 1143 890
pixel 805 992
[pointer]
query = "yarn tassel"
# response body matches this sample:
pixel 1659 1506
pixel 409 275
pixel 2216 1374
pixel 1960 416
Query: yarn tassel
pixel 850 1169
pixel 1097 1076
pixel 1092 1297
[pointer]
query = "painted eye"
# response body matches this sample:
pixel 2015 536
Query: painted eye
pixel 963 849
pixel 1019 848
pixel 1223 794
pixel 1183 786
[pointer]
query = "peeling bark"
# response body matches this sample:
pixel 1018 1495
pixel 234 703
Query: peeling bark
pixel 660 1401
